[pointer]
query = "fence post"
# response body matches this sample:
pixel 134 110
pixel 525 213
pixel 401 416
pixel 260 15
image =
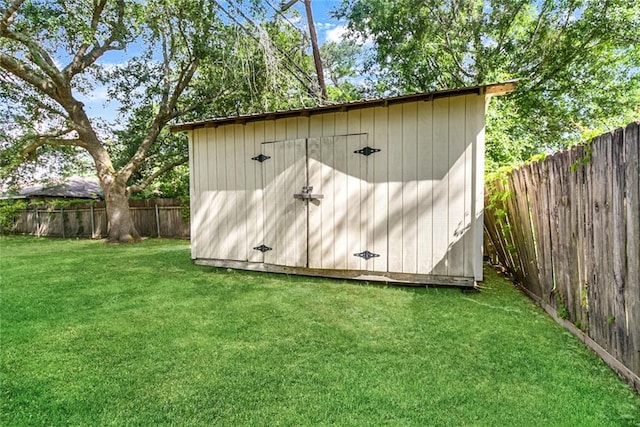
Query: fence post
pixel 37 223
pixel 92 224
pixel 158 220
pixel 62 221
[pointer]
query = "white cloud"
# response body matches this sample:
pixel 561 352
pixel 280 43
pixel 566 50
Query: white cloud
pixel 97 94
pixel 325 25
pixel 336 34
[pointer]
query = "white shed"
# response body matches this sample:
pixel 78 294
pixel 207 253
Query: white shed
pixel 388 189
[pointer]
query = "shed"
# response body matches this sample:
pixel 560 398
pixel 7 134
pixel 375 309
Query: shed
pixel 388 189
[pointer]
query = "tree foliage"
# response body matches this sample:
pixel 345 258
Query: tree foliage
pixel 340 61
pixel 578 61
pixel 186 59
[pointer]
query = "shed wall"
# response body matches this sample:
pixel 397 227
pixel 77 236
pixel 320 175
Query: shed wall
pixel 417 203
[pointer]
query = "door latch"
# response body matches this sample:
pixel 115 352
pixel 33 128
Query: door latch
pixel 307 194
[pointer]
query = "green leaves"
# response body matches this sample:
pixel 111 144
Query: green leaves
pixel 579 61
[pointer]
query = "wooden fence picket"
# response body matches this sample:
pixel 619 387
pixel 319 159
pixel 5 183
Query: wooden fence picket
pixel 569 233
pixel 152 218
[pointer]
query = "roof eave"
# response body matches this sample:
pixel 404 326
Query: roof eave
pixel 494 89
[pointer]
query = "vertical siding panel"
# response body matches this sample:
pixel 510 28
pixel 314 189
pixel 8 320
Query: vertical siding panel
pixel 314 147
pixel 217 183
pixel 354 180
pixel 195 190
pixel 315 165
pixel 315 126
pixel 269 193
pixel 425 183
pixel 294 178
pixel 327 223
pixel 294 215
pixel 198 209
pixel 241 189
pixel 395 188
pixel 251 191
pixel 409 187
pixel 253 134
pixel 380 188
pixel 325 227
pixel 280 161
pixel 304 127
pixel 211 197
pixel 290 205
pixel 214 193
pixel 440 184
pixel 302 177
pixel 339 177
pixel 340 219
pixel 300 236
pixel 353 227
pixel 367 184
pixel 457 190
pixel 475 185
pixel 291 125
pixel 258 132
pixel 469 196
pixel 229 235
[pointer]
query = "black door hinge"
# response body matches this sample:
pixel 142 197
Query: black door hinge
pixel 366 255
pixel 261 158
pixel 262 248
pixel 367 151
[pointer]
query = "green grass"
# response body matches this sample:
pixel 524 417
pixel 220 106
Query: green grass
pixel 95 334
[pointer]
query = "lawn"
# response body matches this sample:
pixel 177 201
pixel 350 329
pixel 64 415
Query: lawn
pixel 96 334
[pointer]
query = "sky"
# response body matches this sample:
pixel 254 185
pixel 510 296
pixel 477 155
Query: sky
pixel 327 28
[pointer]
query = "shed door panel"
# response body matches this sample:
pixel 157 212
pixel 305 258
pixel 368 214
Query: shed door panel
pixel 285 218
pixel 340 224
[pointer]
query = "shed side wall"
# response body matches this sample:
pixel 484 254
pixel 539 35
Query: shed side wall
pixel 425 185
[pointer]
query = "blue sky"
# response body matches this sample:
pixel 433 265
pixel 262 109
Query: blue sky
pixel 328 29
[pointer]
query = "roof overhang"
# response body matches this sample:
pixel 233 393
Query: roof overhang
pixel 494 89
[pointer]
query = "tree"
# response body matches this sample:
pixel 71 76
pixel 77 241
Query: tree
pixel 578 61
pixel 340 60
pixel 188 62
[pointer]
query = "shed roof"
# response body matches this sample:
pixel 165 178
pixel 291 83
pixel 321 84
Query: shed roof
pixel 493 89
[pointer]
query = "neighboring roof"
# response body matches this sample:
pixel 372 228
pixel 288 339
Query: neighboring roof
pixel 70 188
pixel 493 89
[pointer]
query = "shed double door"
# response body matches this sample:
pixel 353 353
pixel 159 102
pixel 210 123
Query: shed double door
pixel 334 231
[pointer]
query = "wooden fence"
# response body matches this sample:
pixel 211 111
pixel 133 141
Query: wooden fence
pixel 568 229
pixel 152 218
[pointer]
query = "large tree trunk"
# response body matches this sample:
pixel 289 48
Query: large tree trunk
pixel 120 226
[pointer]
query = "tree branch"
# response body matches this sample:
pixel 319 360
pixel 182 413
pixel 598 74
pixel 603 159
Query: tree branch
pixel 165 113
pixel 29 75
pixel 54 140
pixel 451 49
pixel 84 59
pixel 9 13
pixel 164 169
pixel 37 55
pixel 532 38
pixel 193 107
pixel 186 74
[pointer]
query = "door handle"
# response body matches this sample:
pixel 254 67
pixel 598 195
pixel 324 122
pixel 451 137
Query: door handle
pixel 307 194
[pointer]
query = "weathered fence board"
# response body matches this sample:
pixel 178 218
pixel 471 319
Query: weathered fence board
pixel 152 218
pixel 569 232
pixel 632 274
